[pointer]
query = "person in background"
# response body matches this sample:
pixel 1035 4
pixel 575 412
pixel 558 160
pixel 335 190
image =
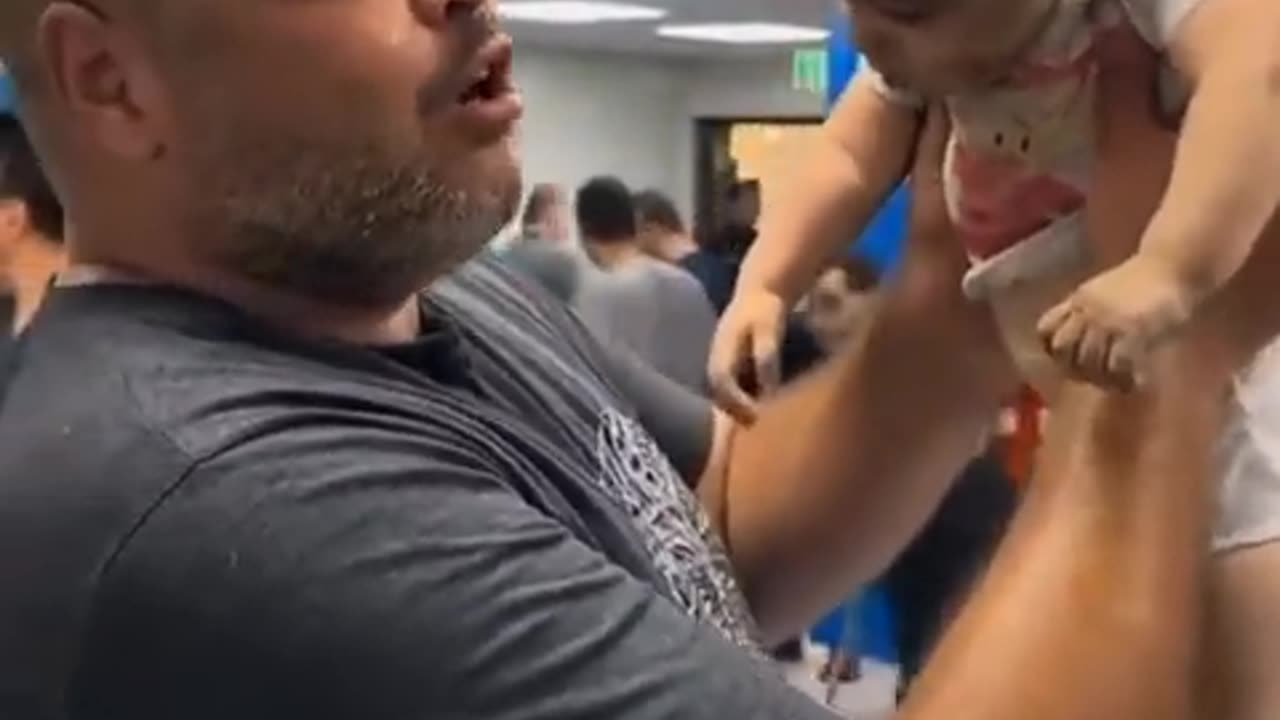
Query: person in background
pixel 929 580
pixel 661 229
pixel 657 311
pixel 713 259
pixel 840 302
pixel 543 250
pixel 721 248
pixel 30 231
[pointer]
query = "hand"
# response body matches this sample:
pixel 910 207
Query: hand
pixel 1136 150
pixel 1106 329
pixel 749 335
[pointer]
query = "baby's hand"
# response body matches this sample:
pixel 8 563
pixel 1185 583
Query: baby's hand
pixel 1105 330
pixel 749 335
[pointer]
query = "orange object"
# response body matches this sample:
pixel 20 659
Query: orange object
pixel 1021 435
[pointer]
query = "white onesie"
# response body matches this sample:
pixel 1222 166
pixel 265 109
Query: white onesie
pixel 1017 176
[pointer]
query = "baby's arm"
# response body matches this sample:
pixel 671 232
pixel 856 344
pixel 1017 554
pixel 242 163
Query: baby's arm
pixel 860 157
pixel 1223 192
pixel 1226 179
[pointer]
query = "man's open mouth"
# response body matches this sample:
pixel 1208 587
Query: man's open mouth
pixel 491 79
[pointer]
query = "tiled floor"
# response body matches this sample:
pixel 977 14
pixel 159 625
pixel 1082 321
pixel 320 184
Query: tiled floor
pixel 871 698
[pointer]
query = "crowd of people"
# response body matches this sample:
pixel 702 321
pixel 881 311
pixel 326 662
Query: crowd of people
pixel 280 437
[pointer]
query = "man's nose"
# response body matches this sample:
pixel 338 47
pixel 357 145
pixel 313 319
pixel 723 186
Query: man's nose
pixel 437 13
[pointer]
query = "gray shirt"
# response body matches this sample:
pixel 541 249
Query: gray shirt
pixel 226 521
pixel 658 311
pixel 555 267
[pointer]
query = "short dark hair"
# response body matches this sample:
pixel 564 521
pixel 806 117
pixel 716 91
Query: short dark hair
pixel 744 188
pixel 605 210
pixel 22 179
pixel 859 275
pixel 542 198
pixel 653 207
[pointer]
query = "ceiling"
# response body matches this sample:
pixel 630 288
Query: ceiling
pixel 639 38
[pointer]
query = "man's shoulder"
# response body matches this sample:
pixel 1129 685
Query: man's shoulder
pixel 675 276
pixel 507 313
pixel 117 375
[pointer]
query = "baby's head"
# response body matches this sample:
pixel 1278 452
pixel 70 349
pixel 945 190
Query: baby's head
pixel 940 47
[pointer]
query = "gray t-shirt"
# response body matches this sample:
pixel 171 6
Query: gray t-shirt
pixel 659 311
pixel 202 517
pixel 557 268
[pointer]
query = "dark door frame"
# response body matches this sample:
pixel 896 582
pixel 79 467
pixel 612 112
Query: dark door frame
pixel 713 169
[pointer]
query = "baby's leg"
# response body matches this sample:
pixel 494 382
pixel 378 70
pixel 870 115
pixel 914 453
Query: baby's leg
pixel 1242 643
pixel 1241 661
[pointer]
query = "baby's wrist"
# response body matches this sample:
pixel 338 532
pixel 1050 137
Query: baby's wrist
pixel 1191 274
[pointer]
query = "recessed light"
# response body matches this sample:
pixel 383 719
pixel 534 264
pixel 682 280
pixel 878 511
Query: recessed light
pixel 745 33
pixel 576 13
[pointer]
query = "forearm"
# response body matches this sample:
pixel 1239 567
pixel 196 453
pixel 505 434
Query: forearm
pixel 1226 181
pixel 842 469
pixel 836 191
pixel 1091 608
pixel 819 215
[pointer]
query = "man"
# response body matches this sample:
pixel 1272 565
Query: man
pixel 543 251
pixel 843 299
pixel 30 231
pixel 657 311
pixel 248 471
pixel 661 230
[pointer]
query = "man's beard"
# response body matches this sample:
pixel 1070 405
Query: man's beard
pixel 344 224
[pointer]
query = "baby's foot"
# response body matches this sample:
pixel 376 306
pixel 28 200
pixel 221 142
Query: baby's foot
pixel 1104 331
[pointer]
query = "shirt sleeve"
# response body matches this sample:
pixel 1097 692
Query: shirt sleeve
pixel 1158 21
pixel 309 577
pixel 680 420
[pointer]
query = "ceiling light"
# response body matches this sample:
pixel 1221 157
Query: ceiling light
pixel 745 33
pixel 576 13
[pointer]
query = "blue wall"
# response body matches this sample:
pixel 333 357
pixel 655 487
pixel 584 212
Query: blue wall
pixel 7 97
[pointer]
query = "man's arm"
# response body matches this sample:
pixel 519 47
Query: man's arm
pixel 840 469
pixel 1099 578
pixel 341 572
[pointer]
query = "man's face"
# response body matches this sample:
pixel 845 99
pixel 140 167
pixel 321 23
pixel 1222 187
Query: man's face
pixel 345 150
pixel 835 311
pixel 13 229
pixel 941 47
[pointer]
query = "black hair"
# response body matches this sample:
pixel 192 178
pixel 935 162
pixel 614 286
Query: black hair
pixel 653 207
pixel 605 211
pixel 23 179
pixel 743 188
pixel 859 275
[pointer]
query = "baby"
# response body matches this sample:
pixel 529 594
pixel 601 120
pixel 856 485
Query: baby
pixel 1017 77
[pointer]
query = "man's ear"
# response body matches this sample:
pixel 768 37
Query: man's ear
pixel 102 80
pixel 13 225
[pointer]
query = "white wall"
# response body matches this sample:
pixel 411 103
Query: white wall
pixel 588 114
pixel 632 116
pixel 747 87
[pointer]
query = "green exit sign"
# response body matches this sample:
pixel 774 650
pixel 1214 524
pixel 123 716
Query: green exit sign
pixel 809 71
